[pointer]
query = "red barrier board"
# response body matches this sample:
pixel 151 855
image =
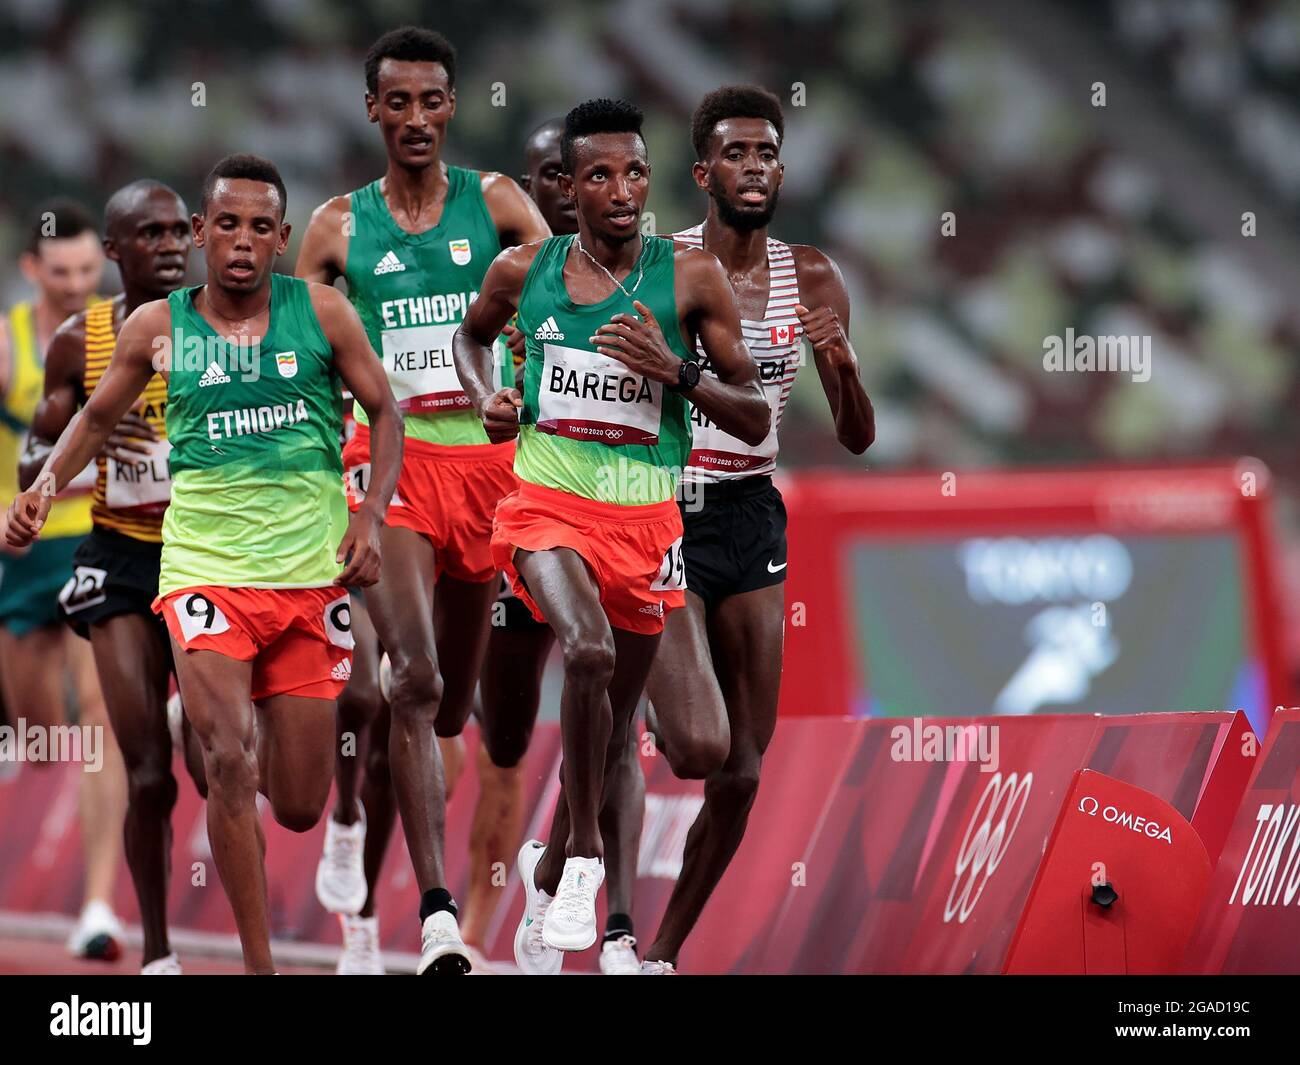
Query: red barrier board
pixel 1250 921
pixel 861 854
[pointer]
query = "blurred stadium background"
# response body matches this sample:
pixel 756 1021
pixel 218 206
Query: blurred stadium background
pixel 1123 219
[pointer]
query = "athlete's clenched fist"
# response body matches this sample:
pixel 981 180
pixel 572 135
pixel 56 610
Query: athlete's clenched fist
pixel 27 513
pixel 500 415
pixel 824 332
pixel 639 345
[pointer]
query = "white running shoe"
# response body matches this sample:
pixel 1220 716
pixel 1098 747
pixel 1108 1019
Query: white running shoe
pixel 618 957
pixel 341 874
pixel 168 966
pixel 534 957
pixel 361 954
pixel 175 719
pixel 571 921
pixel 385 676
pixel 442 953
pixel 99 935
pixel 657 968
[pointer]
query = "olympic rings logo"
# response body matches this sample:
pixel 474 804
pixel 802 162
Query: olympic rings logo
pixel 986 841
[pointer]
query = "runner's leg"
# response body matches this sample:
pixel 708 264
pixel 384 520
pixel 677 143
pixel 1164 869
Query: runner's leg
pixel 511 693
pixel 216 691
pixel 133 660
pixel 566 592
pixel 746 632
pixel 103 794
pixel 400 607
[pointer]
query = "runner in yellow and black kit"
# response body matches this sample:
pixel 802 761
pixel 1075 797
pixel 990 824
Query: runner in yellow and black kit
pixel 64 262
pixel 115 580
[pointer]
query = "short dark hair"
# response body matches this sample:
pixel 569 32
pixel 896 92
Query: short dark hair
pixel 734 101
pixel 410 44
pixel 69 218
pixel 250 167
pixel 598 116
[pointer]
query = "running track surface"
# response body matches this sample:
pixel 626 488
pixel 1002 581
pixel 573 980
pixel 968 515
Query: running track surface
pixel 35 957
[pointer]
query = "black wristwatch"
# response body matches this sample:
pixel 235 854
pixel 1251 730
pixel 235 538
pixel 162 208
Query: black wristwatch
pixel 688 376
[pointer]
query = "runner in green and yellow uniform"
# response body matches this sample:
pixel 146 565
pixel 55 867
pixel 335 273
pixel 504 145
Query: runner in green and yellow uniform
pixel 413 248
pixel 258 548
pixel 591 540
pixel 64 262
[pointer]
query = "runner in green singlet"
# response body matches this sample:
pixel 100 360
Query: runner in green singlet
pixel 413 248
pixel 258 548
pixel 592 538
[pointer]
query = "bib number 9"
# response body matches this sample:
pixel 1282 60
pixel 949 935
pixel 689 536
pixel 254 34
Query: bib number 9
pixel 199 616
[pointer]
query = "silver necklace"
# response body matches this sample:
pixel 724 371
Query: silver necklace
pixel 640 273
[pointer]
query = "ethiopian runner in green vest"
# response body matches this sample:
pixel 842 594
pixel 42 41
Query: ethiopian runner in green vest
pixel 592 537
pixel 413 247
pixel 258 548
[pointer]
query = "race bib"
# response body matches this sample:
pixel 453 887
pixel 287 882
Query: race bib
pixel 672 573
pixel 84 588
pixel 420 368
pixel 584 395
pixel 141 482
pixel 198 616
pixel 358 481
pixel 337 620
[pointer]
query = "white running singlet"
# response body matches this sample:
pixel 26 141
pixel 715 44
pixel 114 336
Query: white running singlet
pixel 776 345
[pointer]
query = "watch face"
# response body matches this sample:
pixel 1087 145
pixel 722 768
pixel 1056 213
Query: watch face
pixel 690 375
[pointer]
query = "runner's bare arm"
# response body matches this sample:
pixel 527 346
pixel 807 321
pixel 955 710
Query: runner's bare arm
pixel 363 375
pixel 143 338
pixel 733 399
pixel 65 364
pixel 497 300
pixel 826 325
pixel 323 256
pixel 65 359
pixel 513 212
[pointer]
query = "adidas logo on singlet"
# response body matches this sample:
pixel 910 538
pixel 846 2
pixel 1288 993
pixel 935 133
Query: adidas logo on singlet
pixel 548 330
pixel 389 264
pixel 214 375
pixel 342 671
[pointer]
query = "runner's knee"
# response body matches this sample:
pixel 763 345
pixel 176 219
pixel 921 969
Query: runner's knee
pixel 230 768
pixel 590 655
pixel 298 813
pixel 506 747
pixel 696 757
pixel 150 783
pixel 735 786
pixel 416 687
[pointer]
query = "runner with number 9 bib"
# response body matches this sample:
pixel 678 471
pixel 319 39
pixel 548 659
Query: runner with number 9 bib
pixel 258 548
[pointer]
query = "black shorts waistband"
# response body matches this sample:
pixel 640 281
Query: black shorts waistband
pixel 732 491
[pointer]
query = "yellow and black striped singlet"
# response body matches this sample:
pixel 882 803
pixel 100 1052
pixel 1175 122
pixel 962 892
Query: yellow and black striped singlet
pixel 141 523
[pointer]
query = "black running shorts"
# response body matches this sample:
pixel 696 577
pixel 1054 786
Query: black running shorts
pixel 111 574
pixel 734 537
